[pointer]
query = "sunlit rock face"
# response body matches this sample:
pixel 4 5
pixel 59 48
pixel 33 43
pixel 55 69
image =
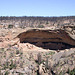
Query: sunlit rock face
pixel 49 39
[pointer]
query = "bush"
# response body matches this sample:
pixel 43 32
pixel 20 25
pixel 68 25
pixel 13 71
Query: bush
pixel 10 26
pixel 47 22
pixel 47 65
pixel 12 65
pixel 6 73
pixel 71 72
pixel 39 58
pixel 40 26
pixel 17 51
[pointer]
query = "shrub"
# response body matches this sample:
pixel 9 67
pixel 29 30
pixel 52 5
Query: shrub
pixel 32 26
pixel 10 26
pixel 47 65
pixel 17 51
pixel 39 58
pixel 47 22
pixel 6 65
pixel 61 73
pixel 71 72
pixel 6 73
pixel 12 65
pixel 40 26
pixel 21 74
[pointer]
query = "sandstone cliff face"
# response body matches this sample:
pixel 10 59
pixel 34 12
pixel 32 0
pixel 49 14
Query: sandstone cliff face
pixel 52 39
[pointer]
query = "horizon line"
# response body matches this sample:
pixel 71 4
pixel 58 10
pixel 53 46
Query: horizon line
pixel 39 16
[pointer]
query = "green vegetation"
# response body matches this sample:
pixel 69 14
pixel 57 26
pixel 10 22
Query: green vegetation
pixel 1 49
pixel 40 26
pixel 47 22
pixel 21 74
pixel 12 65
pixel 39 58
pixel 10 26
pixel 32 26
pixel 17 51
pixel 50 53
pixel 6 73
pixel 71 72
pixel 61 73
pixel 47 65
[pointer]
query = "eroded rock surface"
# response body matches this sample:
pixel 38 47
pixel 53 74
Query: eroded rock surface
pixel 56 39
pixel 51 39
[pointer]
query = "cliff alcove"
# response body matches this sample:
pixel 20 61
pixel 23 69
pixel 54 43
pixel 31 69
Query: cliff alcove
pixel 47 39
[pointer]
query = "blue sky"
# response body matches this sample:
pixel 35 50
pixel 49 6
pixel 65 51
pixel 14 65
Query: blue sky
pixel 37 7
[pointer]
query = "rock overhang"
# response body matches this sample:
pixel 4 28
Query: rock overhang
pixel 46 38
